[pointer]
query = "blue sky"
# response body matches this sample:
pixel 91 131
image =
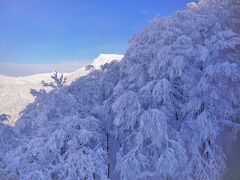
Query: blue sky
pixel 38 36
pixel 53 31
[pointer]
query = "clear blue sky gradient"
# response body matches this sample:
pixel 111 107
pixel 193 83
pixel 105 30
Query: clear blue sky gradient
pixel 53 31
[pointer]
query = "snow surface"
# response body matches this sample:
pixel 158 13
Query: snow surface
pixel 105 58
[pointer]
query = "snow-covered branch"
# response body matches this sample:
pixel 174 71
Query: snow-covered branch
pixel 4 117
pixel 58 83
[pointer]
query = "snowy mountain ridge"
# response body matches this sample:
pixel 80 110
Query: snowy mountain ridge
pixel 105 58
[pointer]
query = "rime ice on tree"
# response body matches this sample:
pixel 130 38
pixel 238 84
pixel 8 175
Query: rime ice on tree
pixel 155 115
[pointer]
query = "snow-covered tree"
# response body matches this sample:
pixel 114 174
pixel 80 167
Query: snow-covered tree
pixel 4 117
pixel 155 115
pixel 58 82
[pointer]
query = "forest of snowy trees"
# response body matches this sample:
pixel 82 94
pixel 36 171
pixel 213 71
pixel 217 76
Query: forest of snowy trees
pixel 157 114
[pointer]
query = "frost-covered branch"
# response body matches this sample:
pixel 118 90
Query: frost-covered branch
pixel 58 83
pixel 37 93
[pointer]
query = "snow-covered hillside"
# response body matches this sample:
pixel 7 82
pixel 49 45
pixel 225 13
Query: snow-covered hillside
pixel 14 91
pixel 105 58
pixel 96 64
pixel 155 115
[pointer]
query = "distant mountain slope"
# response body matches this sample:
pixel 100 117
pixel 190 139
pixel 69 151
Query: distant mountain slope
pixel 97 63
pixel 105 58
pixel 14 91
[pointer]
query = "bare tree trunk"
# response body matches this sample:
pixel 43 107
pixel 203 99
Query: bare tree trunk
pixel 108 155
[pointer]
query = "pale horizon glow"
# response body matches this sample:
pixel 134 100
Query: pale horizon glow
pixel 16 70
